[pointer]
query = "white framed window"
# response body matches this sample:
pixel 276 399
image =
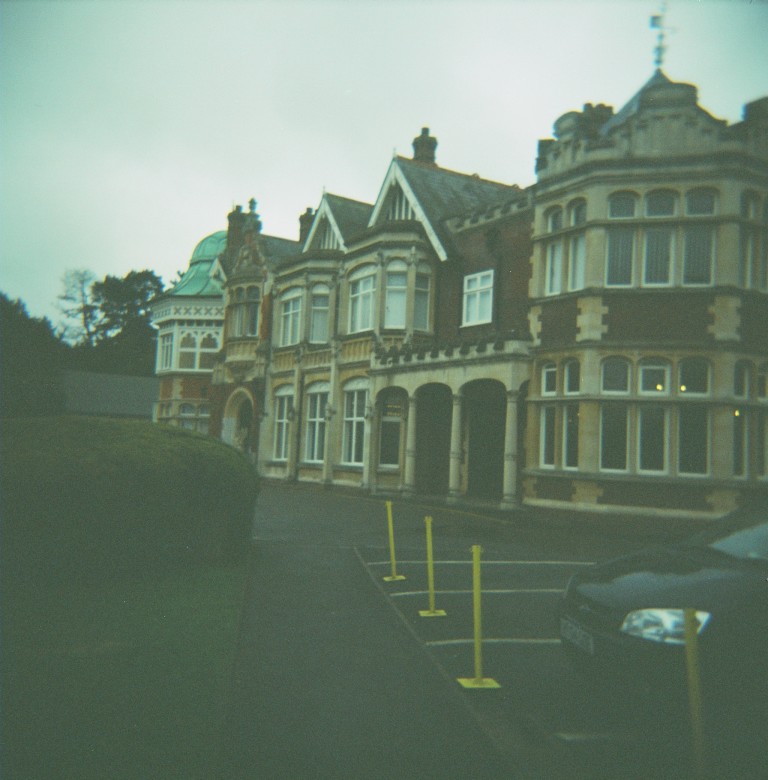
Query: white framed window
pixel 548 379
pixel 654 378
pixel 653 435
pixel 693 376
pixel 166 351
pixel 742 379
pixel 622 205
pixel 251 316
pixel 614 438
pixel 740 443
pixel 547 436
pixel 283 414
pixel 620 260
pixel 478 298
pixel 553 283
pixel 395 294
pixel 317 403
pixel 571 436
pixel 555 220
pixel 572 373
pixel 237 313
pixel 188 351
pixel 693 440
pixel 577 262
pixel 421 298
pixel 319 314
pixel 355 400
pixel 657 268
pixel 698 255
pixel 362 288
pixel 660 203
pixel 615 376
pixel 209 347
pixel 290 318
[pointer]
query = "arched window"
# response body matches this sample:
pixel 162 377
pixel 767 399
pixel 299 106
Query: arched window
pixel 694 376
pixel 554 219
pixel 355 407
pixel 317 405
pixel 548 379
pixel 209 346
pixel 742 376
pixel 654 377
pixel 660 203
pixel 577 255
pixel 187 351
pixel 615 375
pixel 622 205
pixel 572 376
pixel 577 211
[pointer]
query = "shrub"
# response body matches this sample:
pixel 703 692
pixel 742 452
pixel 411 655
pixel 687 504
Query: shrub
pixel 93 495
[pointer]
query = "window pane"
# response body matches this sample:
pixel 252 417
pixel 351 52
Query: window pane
pixel 739 443
pixel 549 379
pixel 616 376
pixel 577 263
pixel 660 204
pixel 548 436
pixel 389 445
pixel 613 437
pixel 697 267
pixel 421 303
pixel 694 376
pixel 658 254
pixel 652 439
pixel 554 280
pixel 620 251
pixel 700 202
pixel 693 434
pixel 653 379
pixel 621 205
pixel 571 436
pixel 572 377
pixel 394 315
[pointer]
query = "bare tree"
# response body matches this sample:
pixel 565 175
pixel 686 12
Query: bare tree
pixel 79 308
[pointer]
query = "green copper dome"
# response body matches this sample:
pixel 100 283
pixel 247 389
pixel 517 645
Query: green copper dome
pixel 210 247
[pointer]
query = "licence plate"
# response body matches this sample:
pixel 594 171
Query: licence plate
pixel 576 635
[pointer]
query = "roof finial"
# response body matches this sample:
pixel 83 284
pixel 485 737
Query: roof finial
pixel 657 23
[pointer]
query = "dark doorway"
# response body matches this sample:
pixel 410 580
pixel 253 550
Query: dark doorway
pixel 485 410
pixel 433 438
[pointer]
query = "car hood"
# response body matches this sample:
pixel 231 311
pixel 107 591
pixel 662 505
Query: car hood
pixel 672 578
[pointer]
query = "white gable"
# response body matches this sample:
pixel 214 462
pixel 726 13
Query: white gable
pixel 397 200
pixel 324 221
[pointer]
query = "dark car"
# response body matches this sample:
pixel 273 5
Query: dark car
pixel 622 621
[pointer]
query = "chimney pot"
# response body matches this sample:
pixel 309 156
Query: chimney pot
pixel 424 147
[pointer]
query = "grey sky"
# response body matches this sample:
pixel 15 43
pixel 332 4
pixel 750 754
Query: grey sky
pixel 130 127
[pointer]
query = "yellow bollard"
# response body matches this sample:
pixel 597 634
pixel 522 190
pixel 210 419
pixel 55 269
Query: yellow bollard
pixel 394 576
pixel 690 624
pixel 431 612
pixel 478 681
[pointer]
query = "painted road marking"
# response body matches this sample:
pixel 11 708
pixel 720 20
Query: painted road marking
pixel 488 563
pixel 498 641
pixel 512 591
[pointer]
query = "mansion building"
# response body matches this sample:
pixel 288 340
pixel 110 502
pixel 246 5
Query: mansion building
pixel 597 340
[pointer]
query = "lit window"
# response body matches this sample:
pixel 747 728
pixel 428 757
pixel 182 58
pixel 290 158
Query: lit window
pixel 694 376
pixel 395 294
pixel 654 378
pixel 478 298
pixel 362 287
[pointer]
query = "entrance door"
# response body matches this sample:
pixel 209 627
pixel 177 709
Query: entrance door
pixel 433 439
pixel 485 410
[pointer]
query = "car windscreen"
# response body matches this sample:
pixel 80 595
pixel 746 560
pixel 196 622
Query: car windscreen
pixel 744 534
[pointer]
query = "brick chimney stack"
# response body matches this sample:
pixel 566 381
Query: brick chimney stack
pixel 424 147
pixel 305 224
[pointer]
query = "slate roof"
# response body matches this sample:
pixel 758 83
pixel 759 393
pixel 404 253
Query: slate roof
pixel 351 215
pixel 276 250
pixel 444 194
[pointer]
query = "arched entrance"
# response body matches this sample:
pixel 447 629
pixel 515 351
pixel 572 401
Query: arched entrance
pixel 237 424
pixel 485 414
pixel 433 438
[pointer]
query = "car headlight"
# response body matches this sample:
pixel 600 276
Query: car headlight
pixel 661 625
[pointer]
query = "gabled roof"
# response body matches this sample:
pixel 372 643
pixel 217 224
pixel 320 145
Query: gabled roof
pixel 344 216
pixel 278 249
pixel 438 194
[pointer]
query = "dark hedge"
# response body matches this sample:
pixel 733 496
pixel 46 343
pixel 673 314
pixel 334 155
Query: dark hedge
pixel 86 496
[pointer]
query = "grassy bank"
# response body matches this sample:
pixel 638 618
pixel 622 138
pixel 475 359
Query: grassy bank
pixel 122 680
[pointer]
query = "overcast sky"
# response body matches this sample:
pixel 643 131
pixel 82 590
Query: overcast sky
pixel 131 127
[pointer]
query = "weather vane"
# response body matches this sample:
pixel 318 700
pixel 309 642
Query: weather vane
pixel 657 23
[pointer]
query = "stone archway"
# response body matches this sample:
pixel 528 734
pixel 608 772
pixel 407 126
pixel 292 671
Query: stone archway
pixel 238 421
pixel 434 403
